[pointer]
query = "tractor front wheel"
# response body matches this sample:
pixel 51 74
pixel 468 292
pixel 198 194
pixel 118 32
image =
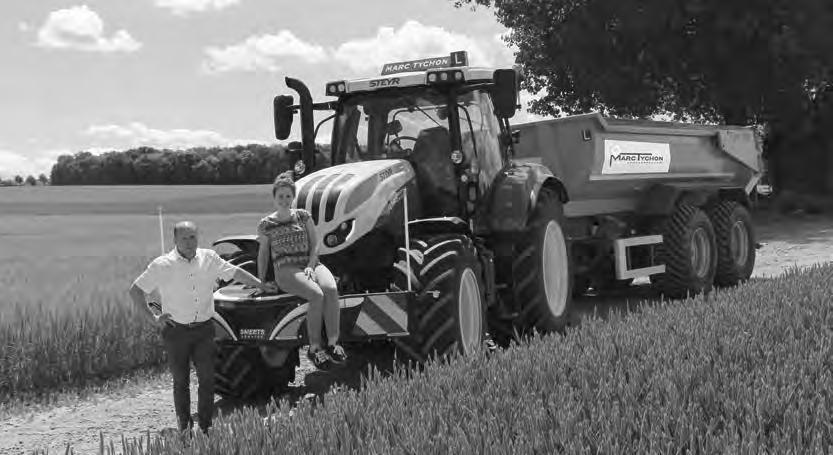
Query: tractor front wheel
pixel 449 312
pixel 240 373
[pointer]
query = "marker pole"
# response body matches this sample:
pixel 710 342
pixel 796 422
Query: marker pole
pixel 161 231
pixel 407 240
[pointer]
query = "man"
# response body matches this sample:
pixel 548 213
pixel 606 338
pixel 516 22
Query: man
pixel 185 279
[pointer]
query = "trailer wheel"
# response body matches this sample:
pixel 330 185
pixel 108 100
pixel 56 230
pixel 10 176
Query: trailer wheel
pixel 542 270
pixel 689 252
pixel 735 235
pixel 240 373
pixel 445 265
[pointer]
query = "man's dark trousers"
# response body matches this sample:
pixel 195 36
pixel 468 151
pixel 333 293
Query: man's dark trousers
pixel 185 344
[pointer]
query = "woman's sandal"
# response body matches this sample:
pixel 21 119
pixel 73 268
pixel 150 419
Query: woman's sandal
pixel 337 353
pixel 319 358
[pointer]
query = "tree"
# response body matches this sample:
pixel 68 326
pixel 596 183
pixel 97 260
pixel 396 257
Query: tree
pixel 18 180
pixel 30 180
pixel 740 62
pixel 43 179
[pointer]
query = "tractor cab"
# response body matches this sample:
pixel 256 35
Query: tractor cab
pixel 447 119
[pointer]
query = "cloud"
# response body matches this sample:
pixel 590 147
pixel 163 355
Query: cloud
pixel 185 7
pixel 81 28
pixel 14 163
pixel 264 52
pixel 135 134
pixel 414 40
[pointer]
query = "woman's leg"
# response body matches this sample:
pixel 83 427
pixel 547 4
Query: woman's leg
pixel 332 309
pixel 293 281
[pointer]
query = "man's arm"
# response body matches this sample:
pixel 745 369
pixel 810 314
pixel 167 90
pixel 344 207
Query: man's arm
pixel 227 271
pixel 247 278
pixel 147 280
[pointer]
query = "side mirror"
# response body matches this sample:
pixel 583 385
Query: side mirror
pixel 283 114
pixel 505 92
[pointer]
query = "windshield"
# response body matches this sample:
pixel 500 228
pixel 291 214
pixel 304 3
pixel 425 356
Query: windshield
pixel 375 126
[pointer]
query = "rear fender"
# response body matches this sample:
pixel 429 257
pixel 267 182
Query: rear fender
pixel 516 193
pixel 428 226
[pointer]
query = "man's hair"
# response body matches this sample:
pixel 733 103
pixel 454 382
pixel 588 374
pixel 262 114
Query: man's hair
pixel 184 224
pixel 284 179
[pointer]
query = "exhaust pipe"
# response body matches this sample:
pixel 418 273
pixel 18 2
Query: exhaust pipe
pixel 307 120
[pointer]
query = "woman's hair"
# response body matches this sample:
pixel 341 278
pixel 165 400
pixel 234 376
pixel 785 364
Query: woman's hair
pixel 284 179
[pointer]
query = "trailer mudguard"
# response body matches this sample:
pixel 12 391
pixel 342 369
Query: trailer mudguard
pixel 515 194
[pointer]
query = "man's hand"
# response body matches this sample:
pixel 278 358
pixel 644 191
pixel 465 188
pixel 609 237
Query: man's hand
pixel 163 319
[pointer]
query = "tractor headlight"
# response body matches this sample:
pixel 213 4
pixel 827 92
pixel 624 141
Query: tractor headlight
pixel 339 235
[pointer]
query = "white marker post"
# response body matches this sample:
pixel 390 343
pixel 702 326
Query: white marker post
pixel 407 239
pixel 161 231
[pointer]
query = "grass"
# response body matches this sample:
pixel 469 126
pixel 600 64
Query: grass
pixel 747 370
pixel 66 320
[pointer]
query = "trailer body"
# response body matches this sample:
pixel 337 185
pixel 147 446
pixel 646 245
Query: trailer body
pixel 611 165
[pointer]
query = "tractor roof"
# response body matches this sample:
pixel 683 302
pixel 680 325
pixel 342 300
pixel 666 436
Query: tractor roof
pixel 453 68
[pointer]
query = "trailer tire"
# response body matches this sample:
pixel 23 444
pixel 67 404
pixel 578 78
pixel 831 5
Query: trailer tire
pixel 240 373
pixel 455 321
pixel 542 272
pixel 735 236
pixel 689 252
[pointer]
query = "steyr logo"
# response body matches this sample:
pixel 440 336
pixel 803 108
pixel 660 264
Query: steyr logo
pixel 391 81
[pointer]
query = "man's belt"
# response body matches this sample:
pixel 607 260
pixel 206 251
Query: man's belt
pixel 191 325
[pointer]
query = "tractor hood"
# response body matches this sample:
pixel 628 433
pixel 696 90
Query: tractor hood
pixel 347 200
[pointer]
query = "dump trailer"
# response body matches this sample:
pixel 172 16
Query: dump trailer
pixel 650 198
pixel 446 226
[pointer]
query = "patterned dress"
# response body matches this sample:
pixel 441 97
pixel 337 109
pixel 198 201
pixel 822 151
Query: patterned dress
pixel 288 239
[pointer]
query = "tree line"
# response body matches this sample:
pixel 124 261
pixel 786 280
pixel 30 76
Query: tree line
pixel 240 164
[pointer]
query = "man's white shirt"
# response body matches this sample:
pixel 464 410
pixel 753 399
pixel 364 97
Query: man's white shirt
pixel 186 287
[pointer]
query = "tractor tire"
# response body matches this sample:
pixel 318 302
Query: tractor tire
pixel 542 271
pixel 447 266
pixel 689 252
pixel 735 235
pixel 240 373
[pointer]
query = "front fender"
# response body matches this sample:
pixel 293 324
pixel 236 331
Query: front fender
pixel 515 194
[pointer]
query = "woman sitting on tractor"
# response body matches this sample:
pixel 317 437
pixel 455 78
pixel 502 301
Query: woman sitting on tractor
pixel 289 234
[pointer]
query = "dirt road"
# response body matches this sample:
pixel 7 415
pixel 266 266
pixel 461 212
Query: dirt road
pixel 134 409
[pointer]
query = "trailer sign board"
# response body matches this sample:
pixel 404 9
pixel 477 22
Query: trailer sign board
pixel 459 58
pixel 629 157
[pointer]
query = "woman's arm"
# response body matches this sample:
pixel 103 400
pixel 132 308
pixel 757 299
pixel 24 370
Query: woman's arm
pixel 263 257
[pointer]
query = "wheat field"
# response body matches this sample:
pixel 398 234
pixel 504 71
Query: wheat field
pixel 69 257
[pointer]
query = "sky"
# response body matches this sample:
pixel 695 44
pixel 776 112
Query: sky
pixel 101 75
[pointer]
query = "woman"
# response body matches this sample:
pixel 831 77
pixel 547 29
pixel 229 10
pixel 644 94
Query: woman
pixel 290 235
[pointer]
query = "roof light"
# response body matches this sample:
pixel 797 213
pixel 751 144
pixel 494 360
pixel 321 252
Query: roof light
pixel 336 88
pixel 446 76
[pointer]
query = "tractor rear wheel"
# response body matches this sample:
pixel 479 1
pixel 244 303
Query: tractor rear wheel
pixel 449 312
pixel 689 252
pixel 542 270
pixel 240 373
pixel 735 235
